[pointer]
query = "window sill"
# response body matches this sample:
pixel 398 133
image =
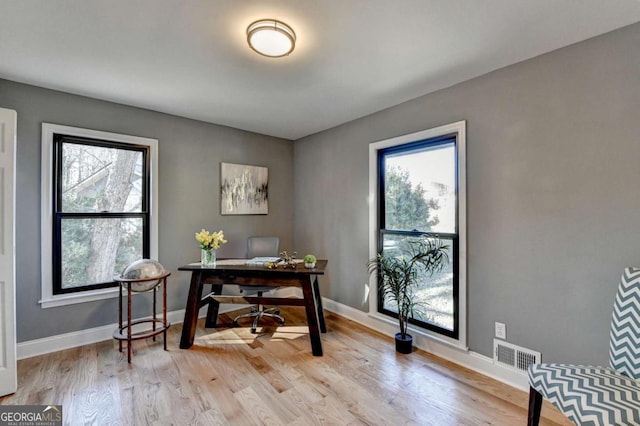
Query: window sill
pixel 73 298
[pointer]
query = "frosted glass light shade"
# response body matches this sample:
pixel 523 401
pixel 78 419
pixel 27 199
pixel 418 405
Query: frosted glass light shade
pixel 271 38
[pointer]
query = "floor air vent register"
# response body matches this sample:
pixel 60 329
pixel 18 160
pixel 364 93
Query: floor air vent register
pixel 514 357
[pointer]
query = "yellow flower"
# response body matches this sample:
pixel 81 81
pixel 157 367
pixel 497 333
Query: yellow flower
pixel 210 241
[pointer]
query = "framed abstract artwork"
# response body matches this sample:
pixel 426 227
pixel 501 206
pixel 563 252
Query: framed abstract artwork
pixel 244 189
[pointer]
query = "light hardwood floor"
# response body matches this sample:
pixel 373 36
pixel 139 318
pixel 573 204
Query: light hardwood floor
pixel 233 377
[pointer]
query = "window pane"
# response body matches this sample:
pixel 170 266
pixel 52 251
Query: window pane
pixel 435 292
pixel 94 250
pixel 97 179
pixel 420 189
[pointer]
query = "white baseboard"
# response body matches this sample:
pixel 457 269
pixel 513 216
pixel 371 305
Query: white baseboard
pixel 466 358
pixel 92 335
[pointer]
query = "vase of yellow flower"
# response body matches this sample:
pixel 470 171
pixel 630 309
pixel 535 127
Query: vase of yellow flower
pixel 209 243
pixel 208 257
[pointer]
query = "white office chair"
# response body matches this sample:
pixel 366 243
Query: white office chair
pixel 260 247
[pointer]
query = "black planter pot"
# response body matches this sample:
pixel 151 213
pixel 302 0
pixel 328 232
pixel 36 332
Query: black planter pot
pixel 404 346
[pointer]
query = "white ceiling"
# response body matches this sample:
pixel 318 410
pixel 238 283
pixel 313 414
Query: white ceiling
pixel 353 57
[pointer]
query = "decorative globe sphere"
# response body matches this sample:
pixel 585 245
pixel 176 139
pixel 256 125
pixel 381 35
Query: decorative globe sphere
pixel 143 269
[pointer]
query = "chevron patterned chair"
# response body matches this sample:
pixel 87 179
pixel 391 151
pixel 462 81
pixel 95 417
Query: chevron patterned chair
pixel 598 395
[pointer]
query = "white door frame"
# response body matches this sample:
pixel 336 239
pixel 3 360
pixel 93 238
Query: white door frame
pixel 8 365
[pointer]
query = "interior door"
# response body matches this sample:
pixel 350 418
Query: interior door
pixel 8 366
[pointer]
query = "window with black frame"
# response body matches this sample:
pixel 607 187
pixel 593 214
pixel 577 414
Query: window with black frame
pixel 418 197
pixel 100 211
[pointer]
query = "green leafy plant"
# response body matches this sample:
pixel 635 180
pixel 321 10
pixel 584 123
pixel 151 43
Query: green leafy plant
pixel 309 258
pixel 397 273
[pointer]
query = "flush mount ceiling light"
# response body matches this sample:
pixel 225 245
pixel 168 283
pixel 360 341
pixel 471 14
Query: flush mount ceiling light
pixel 270 37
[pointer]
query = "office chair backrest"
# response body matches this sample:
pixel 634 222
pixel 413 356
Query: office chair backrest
pixel 262 246
pixel 624 342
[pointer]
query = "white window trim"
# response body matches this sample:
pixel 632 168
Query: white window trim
pixel 458 129
pixel 49 300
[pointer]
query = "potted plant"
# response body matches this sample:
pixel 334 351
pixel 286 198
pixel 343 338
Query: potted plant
pixel 397 273
pixel 310 261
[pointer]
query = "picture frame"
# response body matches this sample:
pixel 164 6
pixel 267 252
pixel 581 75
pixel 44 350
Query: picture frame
pixel 244 189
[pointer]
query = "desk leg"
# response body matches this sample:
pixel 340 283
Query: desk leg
pixel 214 306
pixel 319 308
pixel 191 312
pixel 312 317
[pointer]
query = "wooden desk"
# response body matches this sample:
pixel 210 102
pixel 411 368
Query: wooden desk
pixel 249 275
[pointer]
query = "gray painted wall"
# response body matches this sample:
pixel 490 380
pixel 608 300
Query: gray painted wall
pixel 189 152
pixel 553 193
